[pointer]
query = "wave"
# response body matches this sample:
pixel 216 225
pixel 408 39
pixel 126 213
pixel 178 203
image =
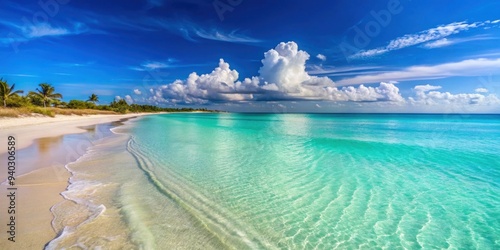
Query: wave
pixel 72 193
pixel 230 232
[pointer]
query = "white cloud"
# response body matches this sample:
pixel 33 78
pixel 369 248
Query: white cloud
pixel 321 57
pixel 282 76
pixel 447 42
pixel 220 85
pixel 481 90
pixel 426 95
pixel 30 32
pixel 192 31
pixel 129 99
pixel 433 34
pixel 425 88
pixel 384 92
pixel 472 67
pixel 338 71
pixel 137 91
pixel 151 66
pixel 438 43
pixel 117 98
pixel 370 53
pixel 496 21
pixel 225 37
pixel 44 30
pixel 284 68
pixel 154 65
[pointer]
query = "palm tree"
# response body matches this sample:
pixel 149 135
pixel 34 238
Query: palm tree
pixel 46 93
pixel 6 92
pixel 93 98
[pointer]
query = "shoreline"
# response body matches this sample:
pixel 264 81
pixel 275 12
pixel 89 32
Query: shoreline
pixel 41 181
pixel 32 128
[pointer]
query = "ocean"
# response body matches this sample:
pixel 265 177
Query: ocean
pixel 288 181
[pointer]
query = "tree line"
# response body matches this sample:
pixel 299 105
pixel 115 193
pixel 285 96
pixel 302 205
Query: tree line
pixel 46 96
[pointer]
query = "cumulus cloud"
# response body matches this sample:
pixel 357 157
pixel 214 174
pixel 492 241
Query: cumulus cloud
pixel 321 57
pixel 427 95
pixel 137 91
pixel 129 99
pixel 438 33
pixel 220 85
pixel 481 90
pixel 282 76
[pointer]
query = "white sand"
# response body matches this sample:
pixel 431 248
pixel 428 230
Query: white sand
pixel 39 189
pixel 27 129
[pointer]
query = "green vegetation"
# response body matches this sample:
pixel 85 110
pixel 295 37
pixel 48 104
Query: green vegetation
pixel 45 93
pixel 6 92
pixel 46 101
pixel 93 98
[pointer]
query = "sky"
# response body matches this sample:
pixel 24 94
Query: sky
pixel 379 56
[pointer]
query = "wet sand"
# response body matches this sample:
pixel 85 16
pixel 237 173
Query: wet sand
pixel 43 147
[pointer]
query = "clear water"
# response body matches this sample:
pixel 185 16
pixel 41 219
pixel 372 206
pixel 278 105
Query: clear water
pixel 297 181
pixel 329 181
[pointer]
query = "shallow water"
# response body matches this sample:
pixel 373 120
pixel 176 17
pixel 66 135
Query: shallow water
pixel 295 181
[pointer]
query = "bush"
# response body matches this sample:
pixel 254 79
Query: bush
pixel 18 101
pixel 120 106
pixel 77 104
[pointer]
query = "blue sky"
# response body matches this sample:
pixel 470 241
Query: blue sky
pixel 272 56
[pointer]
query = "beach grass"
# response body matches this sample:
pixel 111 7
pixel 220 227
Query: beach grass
pixel 51 112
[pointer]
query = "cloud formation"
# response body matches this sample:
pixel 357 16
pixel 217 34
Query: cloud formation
pixel 472 67
pixel 282 76
pixel 427 95
pixel 437 34
pixel 438 43
pixel 35 31
pixel 44 30
pixel 151 65
pixel 193 32
pixel 481 90
pixel 321 57
pixel 448 42
pixel 225 37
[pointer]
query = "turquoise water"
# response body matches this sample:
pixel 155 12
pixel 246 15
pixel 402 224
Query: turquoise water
pixel 307 181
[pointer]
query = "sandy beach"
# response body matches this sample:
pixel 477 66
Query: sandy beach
pixel 40 172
